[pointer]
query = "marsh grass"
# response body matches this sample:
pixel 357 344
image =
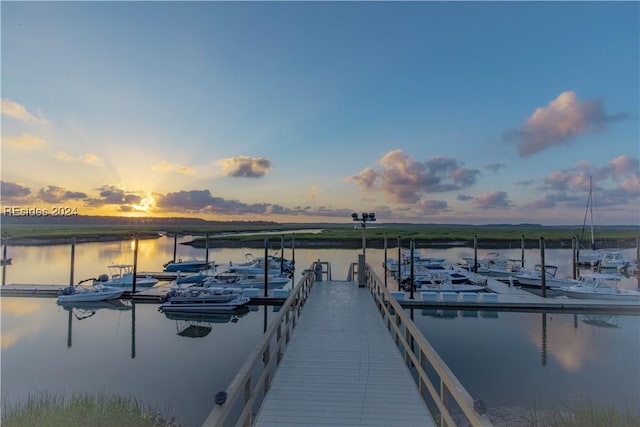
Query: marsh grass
pixel 586 414
pixel 53 410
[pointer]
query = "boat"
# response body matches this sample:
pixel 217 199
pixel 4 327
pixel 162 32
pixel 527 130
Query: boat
pixel 80 293
pixel 245 280
pixel 187 266
pixel 418 261
pixel 436 275
pixel 276 266
pixel 122 276
pixel 450 287
pixel 592 254
pixel 438 283
pixel 610 259
pixel 203 300
pixel 493 264
pixel 600 286
pixel 533 277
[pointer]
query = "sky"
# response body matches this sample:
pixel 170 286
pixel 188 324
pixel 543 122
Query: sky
pixel 422 112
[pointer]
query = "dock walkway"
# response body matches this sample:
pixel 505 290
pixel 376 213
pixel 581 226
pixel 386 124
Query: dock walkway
pixel 342 368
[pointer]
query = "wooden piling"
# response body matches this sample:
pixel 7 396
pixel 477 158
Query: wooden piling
pixel 73 256
pixel 411 284
pixel 282 254
pixel 175 245
pixel 385 260
pixel 475 253
pixel 5 260
pixel 206 249
pixel 266 266
pixel 574 258
pixel 135 263
pixel 399 262
pixel 543 272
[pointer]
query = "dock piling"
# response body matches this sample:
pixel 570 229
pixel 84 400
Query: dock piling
pixel 543 272
pixel 135 262
pixel 73 256
pixel 475 253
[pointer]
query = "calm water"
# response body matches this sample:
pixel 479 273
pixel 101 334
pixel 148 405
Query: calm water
pixel 177 366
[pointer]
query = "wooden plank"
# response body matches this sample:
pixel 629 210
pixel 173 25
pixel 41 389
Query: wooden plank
pixel 342 368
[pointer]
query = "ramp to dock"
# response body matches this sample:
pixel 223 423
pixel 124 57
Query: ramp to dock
pixel 342 368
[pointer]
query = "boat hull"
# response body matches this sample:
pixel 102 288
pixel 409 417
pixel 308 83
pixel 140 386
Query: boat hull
pixel 619 296
pixel 91 295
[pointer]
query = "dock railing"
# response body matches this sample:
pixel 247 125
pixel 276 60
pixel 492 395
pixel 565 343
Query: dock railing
pixel 238 405
pixel 447 399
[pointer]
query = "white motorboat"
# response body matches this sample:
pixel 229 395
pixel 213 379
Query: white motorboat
pixel 533 278
pixel 450 287
pixel 493 264
pixel 600 286
pixel 187 266
pixel 439 282
pixel 276 266
pixel 610 259
pixel 80 293
pixel 203 300
pixel 428 276
pixel 418 261
pixel 122 276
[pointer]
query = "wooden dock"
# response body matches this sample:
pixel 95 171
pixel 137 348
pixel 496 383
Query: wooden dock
pixel 342 368
pixel 514 298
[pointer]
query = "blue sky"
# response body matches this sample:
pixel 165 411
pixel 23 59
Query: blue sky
pixel 445 112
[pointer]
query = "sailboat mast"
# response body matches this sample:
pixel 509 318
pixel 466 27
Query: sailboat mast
pixel 589 211
pixel 593 242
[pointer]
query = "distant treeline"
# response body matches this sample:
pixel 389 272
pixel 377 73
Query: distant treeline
pixel 46 230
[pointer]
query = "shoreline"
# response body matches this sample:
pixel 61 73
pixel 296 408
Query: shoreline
pixel 311 243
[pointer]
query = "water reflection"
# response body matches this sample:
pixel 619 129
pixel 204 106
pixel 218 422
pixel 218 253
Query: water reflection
pixel 554 356
pixel 601 320
pixel 198 325
pixel 557 357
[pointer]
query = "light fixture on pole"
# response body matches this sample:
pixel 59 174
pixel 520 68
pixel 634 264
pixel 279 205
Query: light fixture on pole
pixel 366 217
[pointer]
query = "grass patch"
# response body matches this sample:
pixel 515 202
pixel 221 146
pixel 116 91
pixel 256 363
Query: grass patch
pixel 52 410
pixel 586 414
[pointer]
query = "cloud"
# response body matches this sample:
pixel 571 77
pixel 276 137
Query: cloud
pixel 498 199
pixel 166 166
pixel 112 195
pixel 54 194
pixel 86 158
pixel 245 166
pixel 25 141
pixel 13 190
pixel 495 167
pixel 366 178
pixel 564 119
pixel 616 183
pixel 203 201
pixel 16 111
pixel 406 180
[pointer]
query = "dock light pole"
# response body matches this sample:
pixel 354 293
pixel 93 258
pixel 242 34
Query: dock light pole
pixel 366 217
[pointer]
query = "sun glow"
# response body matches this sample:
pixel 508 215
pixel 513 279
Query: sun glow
pixel 145 205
